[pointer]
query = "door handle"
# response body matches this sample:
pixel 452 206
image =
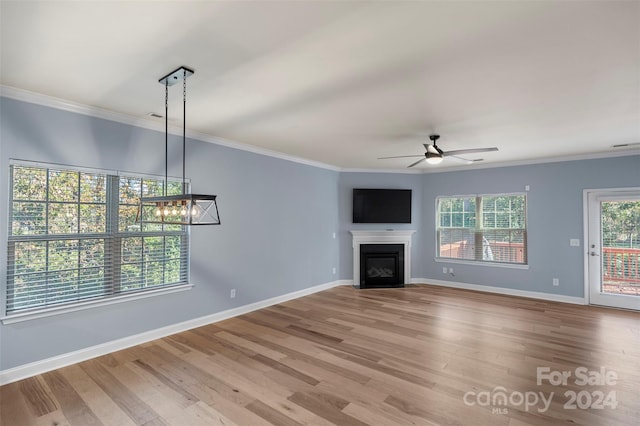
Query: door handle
pixel 593 253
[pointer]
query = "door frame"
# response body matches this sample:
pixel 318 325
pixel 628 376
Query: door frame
pixel 586 225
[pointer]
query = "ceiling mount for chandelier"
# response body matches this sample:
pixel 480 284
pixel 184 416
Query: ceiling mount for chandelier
pixel 184 208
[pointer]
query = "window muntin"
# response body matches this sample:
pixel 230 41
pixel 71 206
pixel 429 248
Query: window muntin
pixel 485 228
pixel 73 237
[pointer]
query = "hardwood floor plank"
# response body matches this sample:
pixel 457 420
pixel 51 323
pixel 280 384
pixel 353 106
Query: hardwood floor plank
pixel 440 414
pixel 203 415
pixel 252 381
pixel 283 368
pixel 96 399
pixel 72 405
pixel 294 350
pixel 157 421
pixel 251 345
pixel 326 406
pixel 400 374
pixel 140 384
pixel 165 383
pixel 38 395
pixel 14 407
pixel 384 415
pixel 198 382
pixel 127 400
pixel 237 413
pixel 56 418
pixel 271 415
pixel 422 355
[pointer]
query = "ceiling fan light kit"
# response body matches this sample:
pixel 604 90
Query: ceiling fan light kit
pixel 183 209
pixel 433 159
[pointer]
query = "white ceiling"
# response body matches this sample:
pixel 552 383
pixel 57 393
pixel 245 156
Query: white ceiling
pixel 343 83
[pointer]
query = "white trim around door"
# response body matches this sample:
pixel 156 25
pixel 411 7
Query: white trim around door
pixel 594 249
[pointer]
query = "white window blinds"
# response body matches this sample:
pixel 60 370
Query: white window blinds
pixel 73 238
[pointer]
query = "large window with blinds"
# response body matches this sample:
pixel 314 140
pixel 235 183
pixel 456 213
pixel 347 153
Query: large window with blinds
pixel 73 238
pixel 482 228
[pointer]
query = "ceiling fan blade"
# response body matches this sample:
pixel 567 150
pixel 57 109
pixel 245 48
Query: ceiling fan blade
pixel 466 160
pixel 468 151
pixel 400 156
pixel 460 159
pixel 626 145
pixel 417 162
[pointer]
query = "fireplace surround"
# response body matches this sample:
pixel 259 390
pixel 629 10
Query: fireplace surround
pixel 381 265
pixel 385 253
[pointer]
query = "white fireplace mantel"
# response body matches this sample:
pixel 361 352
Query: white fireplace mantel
pixel 381 237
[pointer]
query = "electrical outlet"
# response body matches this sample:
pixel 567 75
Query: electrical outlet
pixel 334 271
pixel 233 293
pixel 451 270
pixel 444 269
pixel 556 282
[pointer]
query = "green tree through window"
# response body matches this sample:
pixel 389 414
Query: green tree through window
pixel 73 237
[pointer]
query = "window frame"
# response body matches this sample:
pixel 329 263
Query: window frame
pixel 477 230
pixel 112 256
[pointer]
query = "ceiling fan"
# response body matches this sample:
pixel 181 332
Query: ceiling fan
pixel 435 155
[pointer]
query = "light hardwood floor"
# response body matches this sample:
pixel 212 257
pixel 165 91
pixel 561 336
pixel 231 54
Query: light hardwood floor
pixel 423 355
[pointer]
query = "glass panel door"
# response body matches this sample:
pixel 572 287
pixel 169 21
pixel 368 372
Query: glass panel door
pixel 614 248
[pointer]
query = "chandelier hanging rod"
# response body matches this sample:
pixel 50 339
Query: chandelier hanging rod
pixel 187 208
pixel 170 79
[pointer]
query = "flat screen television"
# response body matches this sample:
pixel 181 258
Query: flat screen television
pixel 381 205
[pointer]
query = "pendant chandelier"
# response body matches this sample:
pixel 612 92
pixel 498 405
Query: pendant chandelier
pixel 186 208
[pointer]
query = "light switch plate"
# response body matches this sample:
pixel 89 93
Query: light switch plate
pixel 574 242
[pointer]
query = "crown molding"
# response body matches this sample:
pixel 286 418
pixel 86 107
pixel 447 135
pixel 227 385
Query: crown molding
pixel 629 152
pixel 149 124
pixel 618 152
pixel 395 171
pixel 257 150
pixel 75 107
pixel 545 160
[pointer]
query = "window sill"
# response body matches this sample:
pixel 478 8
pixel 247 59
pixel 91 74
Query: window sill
pixel 59 310
pixel 490 264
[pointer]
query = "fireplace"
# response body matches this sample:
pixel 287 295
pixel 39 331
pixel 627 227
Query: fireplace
pixel 389 263
pixel 381 265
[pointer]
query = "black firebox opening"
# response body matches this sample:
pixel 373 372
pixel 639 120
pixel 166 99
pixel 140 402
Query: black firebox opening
pixel 381 265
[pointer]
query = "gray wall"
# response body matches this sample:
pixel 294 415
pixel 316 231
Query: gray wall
pixel 555 209
pixel 278 218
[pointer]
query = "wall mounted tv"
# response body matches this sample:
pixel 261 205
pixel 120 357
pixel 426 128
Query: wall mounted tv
pixel 381 205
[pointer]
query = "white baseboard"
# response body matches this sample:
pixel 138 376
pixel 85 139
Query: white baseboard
pixel 497 290
pixel 502 290
pixel 39 367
